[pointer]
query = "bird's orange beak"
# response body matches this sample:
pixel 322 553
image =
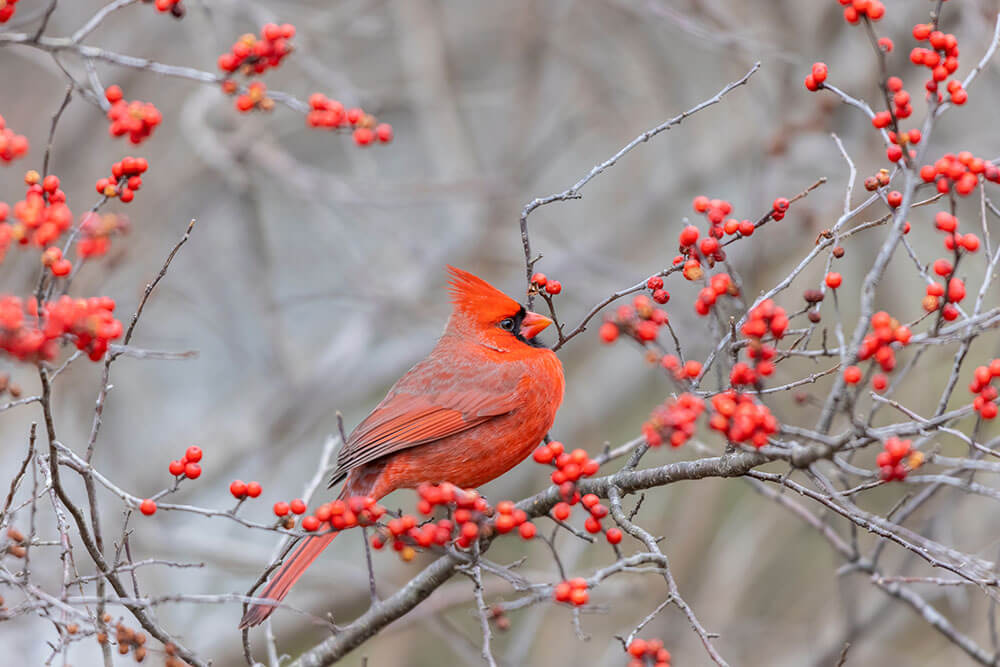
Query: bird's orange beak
pixel 532 324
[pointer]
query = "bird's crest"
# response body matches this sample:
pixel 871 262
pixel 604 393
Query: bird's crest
pixel 472 294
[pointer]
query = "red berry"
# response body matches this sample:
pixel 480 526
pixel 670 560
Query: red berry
pixel 383 132
pixel 553 287
pixel 238 488
pixel 689 235
pixel 527 530
pixel 281 508
pixel 833 280
pixel 310 524
pixel 176 468
pixel 781 204
pixel 942 267
pixel 192 471
pixel 253 489
pixel 147 507
pixel 852 375
pixel 193 454
pixel 819 72
pixel 970 242
pixel 614 535
pixel 297 506
pixel 539 279
pixel 363 136
pixel 609 332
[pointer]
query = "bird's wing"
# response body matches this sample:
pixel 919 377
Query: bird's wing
pixel 425 406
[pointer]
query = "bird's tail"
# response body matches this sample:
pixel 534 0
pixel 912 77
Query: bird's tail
pixel 286 576
pixel 300 559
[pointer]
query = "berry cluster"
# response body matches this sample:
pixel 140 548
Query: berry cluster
pixel 766 318
pixel 897 459
pixel 719 285
pixel 592 524
pixel 130 640
pixel 27 334
pixel 673 421
pixel 901 108
pixel 136 119
pixel 814 80
pixel 689 370
pixel 984 391
pixel 89 321
pixel 12 145
pixel 175 7
pixel 855 10
pixel 255 55
pixel 509 517
pixel 254 98
pixel 241 490
pixel 470 515
pixel 570 466
pixel 952 288
pixel 881 179
pixel 53 260
pixel 648 652
pixel 573 591
pixel 187 465
pixel 540 281
pixel 43 214
pixel 742 419
pixel 642 321
pixel 7 8
pixel 331 114
pixel 657 293
pixel 878 345
pixel 959 172
pixel 340 514
pixel 692 249
pixel 125 179
pixel 941 59
pixel 96 231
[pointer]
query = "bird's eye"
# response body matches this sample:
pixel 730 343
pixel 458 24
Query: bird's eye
pixel 507 324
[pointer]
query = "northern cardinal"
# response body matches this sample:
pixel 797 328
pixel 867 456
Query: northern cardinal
pixel 473 409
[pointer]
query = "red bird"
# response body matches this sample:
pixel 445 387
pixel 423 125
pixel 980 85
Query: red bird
pixel 473 409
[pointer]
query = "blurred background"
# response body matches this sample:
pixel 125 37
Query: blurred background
pixel 315 276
